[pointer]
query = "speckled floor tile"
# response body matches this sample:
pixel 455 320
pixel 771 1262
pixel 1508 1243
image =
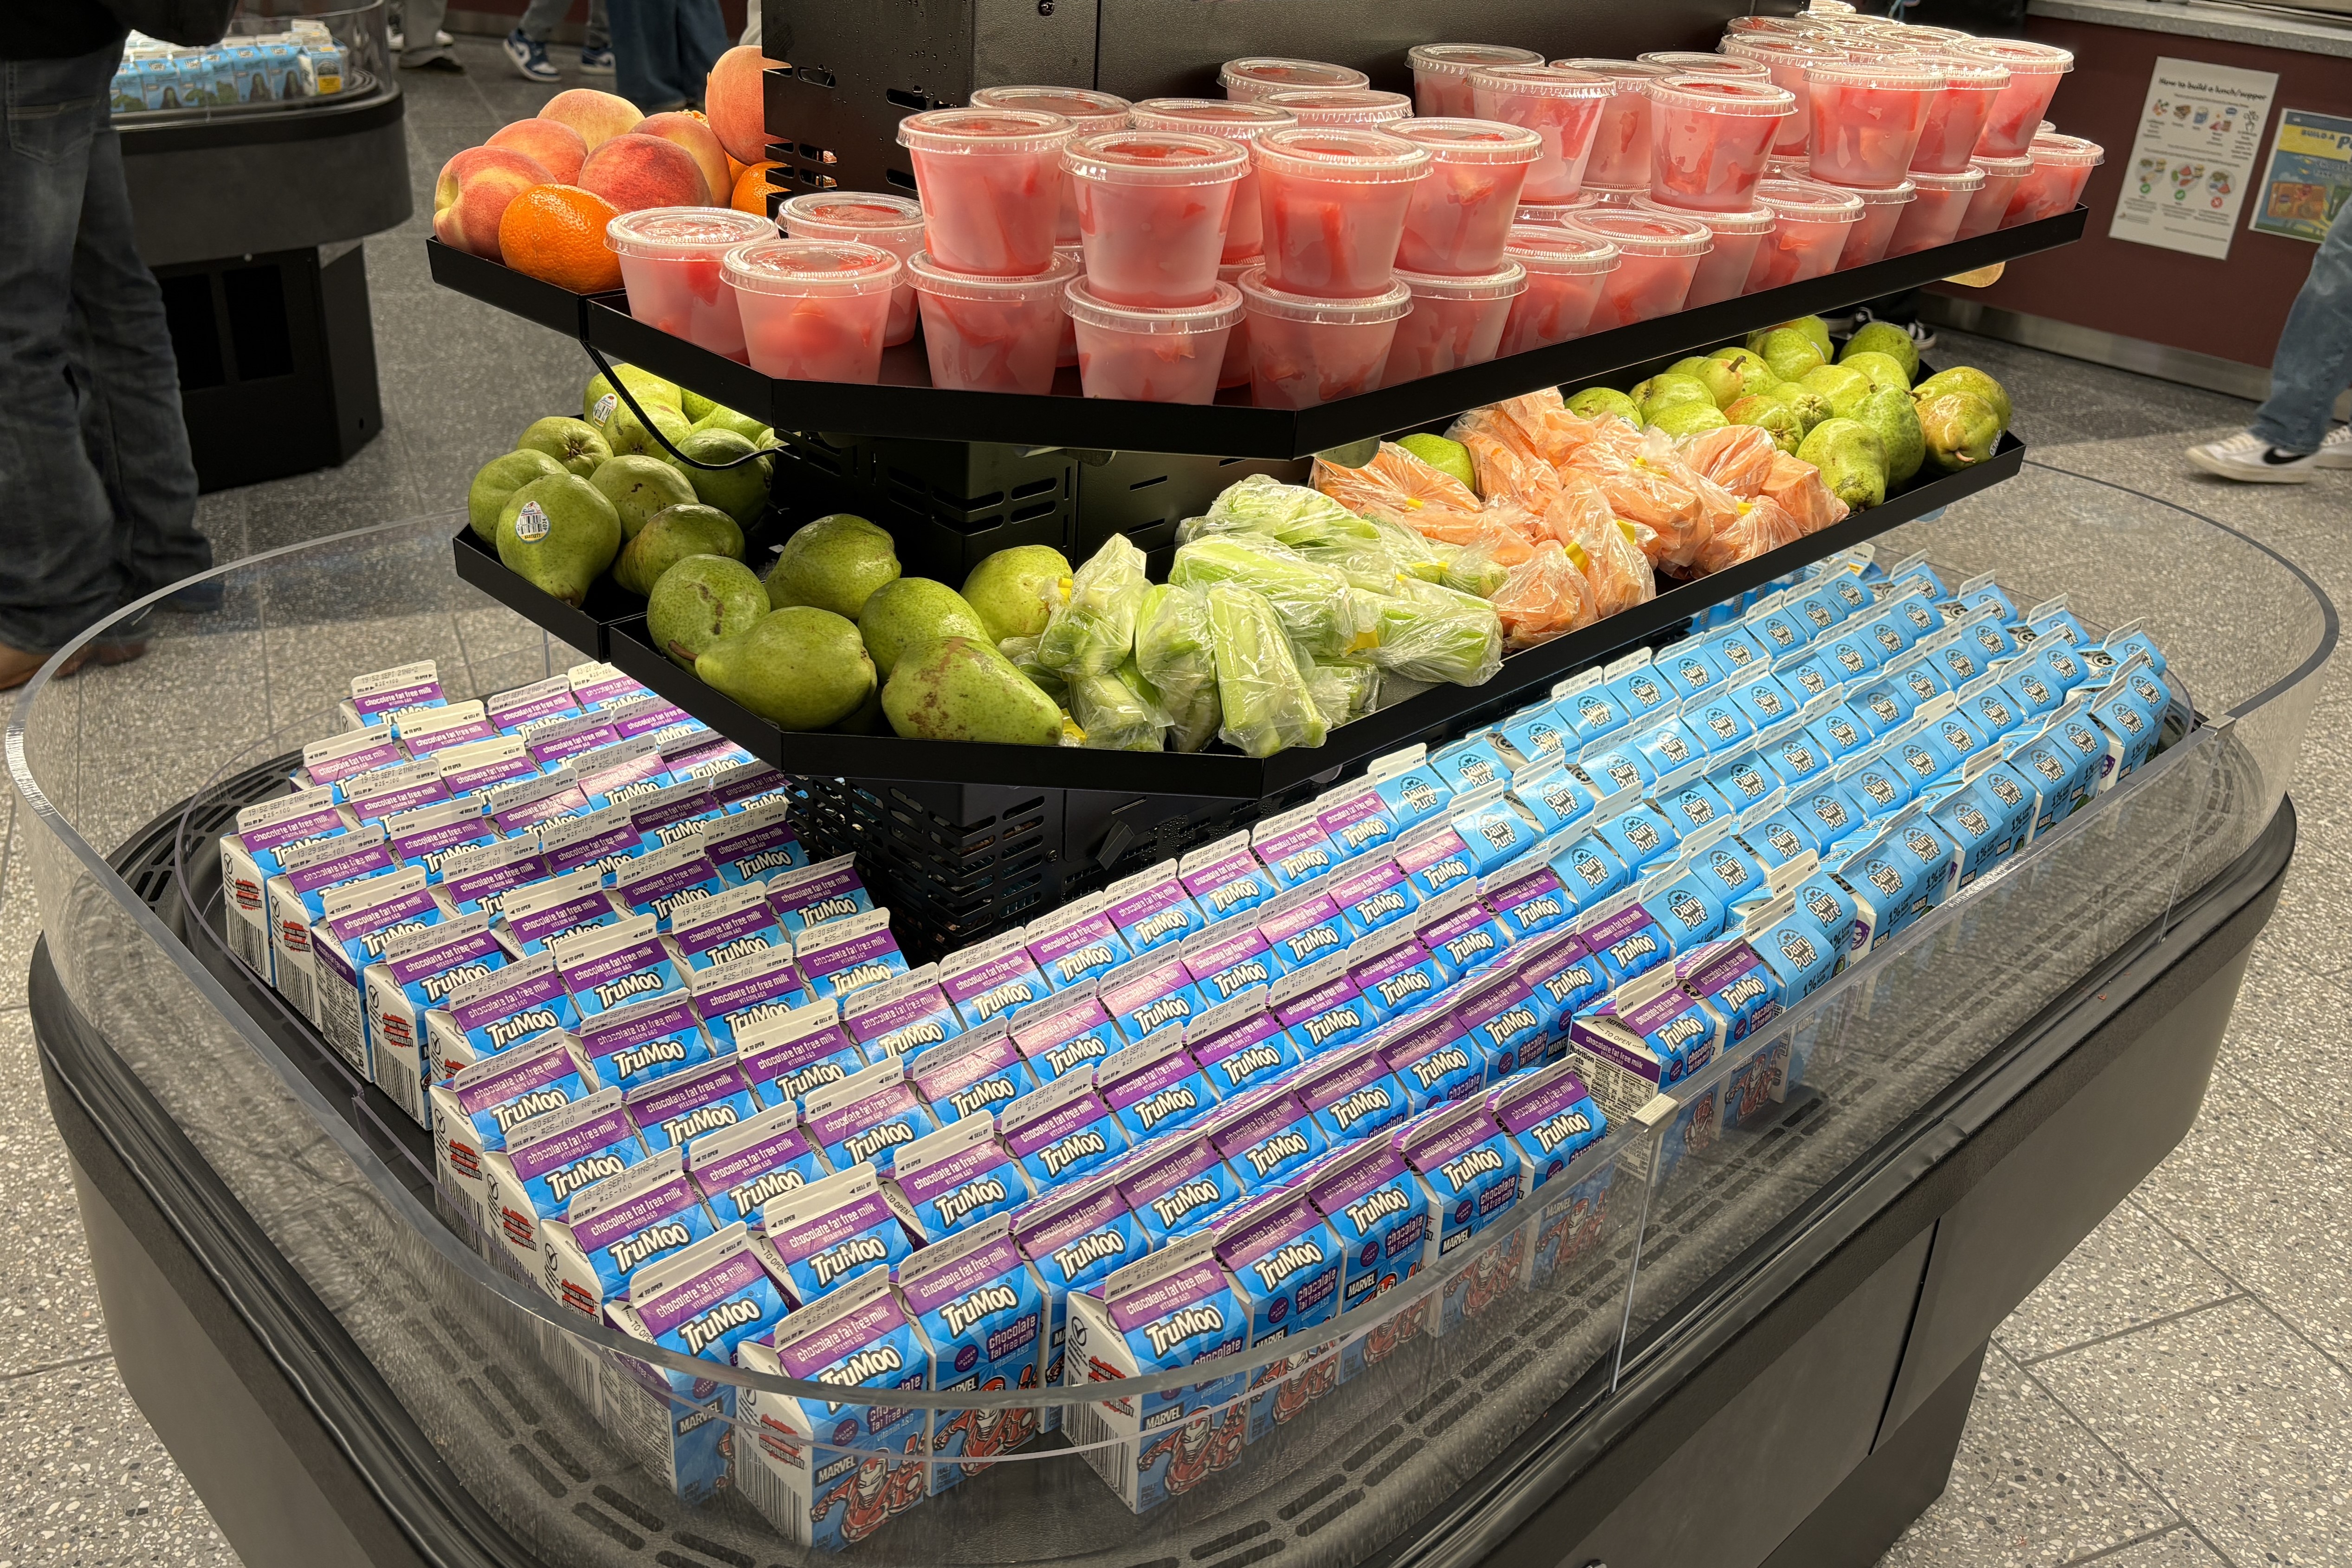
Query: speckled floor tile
pixel 2285 1034
pixel 2126 1273
pixel 2240 1424
pixel 49 1305
pixel 84 1483
pixel 2182 1547
pixel 2031 1488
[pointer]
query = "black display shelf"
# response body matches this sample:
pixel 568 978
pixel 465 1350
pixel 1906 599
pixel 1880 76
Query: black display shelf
pixel 905 404
pixel 1437 714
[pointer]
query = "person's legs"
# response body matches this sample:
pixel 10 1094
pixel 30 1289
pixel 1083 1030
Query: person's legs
pixel 701 39
pixel 599 30
pixel 2315 352
pixel 645 53
pixel 526 47
pixel 421 24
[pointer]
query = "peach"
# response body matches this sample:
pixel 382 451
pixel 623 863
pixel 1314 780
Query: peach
pixel 472 194
pixel 689 131
pixel 555 147
pixel 733 99
pixel 597 116
pixel 636 172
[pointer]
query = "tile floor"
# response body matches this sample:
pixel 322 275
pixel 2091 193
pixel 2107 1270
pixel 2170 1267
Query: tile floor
pixel 2177 1395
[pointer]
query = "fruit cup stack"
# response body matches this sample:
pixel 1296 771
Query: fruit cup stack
pixel 1712 131
pixel 1243 122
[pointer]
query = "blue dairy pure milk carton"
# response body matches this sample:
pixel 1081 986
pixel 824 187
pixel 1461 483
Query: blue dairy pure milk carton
pixel 1074 1236
pixel 996 976
pixel 1225 878
pixel 833 1230
pixel 1553 796
pixel 1387 1224
pixel 983 1313
pixel 1150 908
pixel 972 1076
pixel 1240 1046
pixel 1535 736
pixel 1284 1263
pixel 789 1055
pixel 741 1169
pixel 1062 1132
pixel 1472 1172
pixel 609 1232
pixel 1064 1033
pixel 1174 1310
pixel 1076 942
pixel 1472 763
pixel 1412 791
pixel 903 1016
pixel 867 1117
pixel 1229 958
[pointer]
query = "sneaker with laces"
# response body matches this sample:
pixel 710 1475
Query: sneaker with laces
pixel 595 61
pixel 2336 450
pixel 2246 457
pixel 529 58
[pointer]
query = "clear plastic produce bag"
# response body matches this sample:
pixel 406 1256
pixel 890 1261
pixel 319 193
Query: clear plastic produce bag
pixel 1117 712
pixel 1266 707
pixel 1433 632
pixel 1316 606
pixel 1174 652
pixel 1095 631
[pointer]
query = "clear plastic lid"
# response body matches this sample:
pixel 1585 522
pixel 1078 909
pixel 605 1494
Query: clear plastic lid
pixel 1810 201
pixel 1729 95
pixel 852 215
pixel 1503 284
pixel 1915 35
pixel 1342 105
pixel 1222 311
pixel 2020 55
pixel 1156 158
pixel 1542 81
pixel 1764 27
pixel 1262 75
pixel 1692 62
pixel 811 266
pixel 1229 118
pixel 1871 51
pixel 1757 220
pixel 1639 233
pixel 1882 68
pixel 1611 196
pixel 1231 271
pixel 2066 152
pixel 1620 70
pixel 1830 8
pixel 1553 212
pixel 1798 167
pixel 1089 110
pixel 929 278
pixel 1555 247
pixel 1391 304
pixel 1470 140
pixel 1460 59
pixel 1341 153
pixel 1879 196
pixel 1768 50
pixel 683 231
pixel 1970 72
pixel 984 130
pixel 1971 178
pixel 2015 168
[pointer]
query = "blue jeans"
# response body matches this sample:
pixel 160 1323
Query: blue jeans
pixel 540 16
pixel 94 467
pixel 662 49
pixel 2315 352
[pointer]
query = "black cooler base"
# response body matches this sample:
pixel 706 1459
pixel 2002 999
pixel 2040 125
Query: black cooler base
pixel 1823 1399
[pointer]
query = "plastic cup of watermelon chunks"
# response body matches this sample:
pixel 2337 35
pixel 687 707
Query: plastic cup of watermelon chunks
pixel 1990 202
pixel 888 223
pixel 1957 115
pixel 991 186
pixel 1723 271
pixel 1455 321
pixel 1236 370
pixel 1334 203
pixel 1658 255
pixel 1173 355
pixel 672 265
pixel 1764 27
pixel 1152 209
pixel 1092 112
pixel 1566 273
pixel 1709 138
pixel 2060 165
pixel 2033 73
pixel 1867 117
pixel 1933 216
pixel 1242 122
pixel 1784 60
pixel 1067 356
pixel 1305 350
pixel 814 309
pixel 1561 106
pixel 1809 231
pixel 1621 146
pixel 1342 106
pixel 1882 210
pixel 1441 74
pixel 1466 201
pixel 1263 76
pixel 992 334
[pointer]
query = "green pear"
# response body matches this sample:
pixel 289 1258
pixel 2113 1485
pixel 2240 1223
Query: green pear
pixel 1721 380
pixel 599 402
pixel 638 486
pixel 1661 392
pixel 498 478
pixel 693 405
pixel 744 425
pixel 1594 401
pixel 914 610
pixel 799 668
pixel 1014 592
pixel 1884 338
pixel 1885 372
pixel 1844 386
pixel 961 688
pixel 1449 457
pixel 1791 353
pixel 699 601
pixel 1890 413
pixel 1754 375
pixel 1852 458
pixel 835 563
pixel 674 533
pixel 631 438
pixel 1968 379
pixel 558 533
pixel 579 446
pixel 1771 415
pixel 1958 428
pixel 741 493
pixel 1809 406
pixel 1689 418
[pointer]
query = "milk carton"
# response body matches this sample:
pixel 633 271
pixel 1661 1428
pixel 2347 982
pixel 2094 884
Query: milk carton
pixel 597 686
pixel 1552 1118
pixel 982 1312
pixel 384 695
pixel 1394 974
pixel 555 744
pixel 790 1055
pixel 1412 791
pixel 1321 1007
pixel 1461 933
pixel 1528 898
pixel 642 1042
pixel 536 703
pixel 1172 1309
pixel 1151 910
pixel 560 906
pixel 741 1169
pixel 819 895
pixel 745 992
pixel 1239 1045
pixel 1074 1237
pixel 673 1111
pixel 1154 1087
pixel 482 876
pixel 972 1076
pixel 1178 1184
pixel 668 880
pixel 1284 1263
pixel 751 847
pixel 604 967
pixel 1352 1093
pixel 610 1231
pixel 1268 1137
pixel 355 924
pixel 1076 942
pixel 426 730
pixel 1064 1033
pixel 677 812
pixel 842 956
pixel 549 1160
pixel 1434 859
pixel 1431 1059
pixel 480 1017
pixel 1150 995
pixel 331 762
pixel 1647 1036
pixel 1471 764
pixel 249 860
pixel 1295 846
pixel 1062 1132
pixel 835 1229
pixel 416 972
pixel 427 838
pixel 1387 1224
pixel 475 1110
pixel 1301 926
pixel 297 900
pixel 1227 959
pixel 528 804
pixel 1560 978
pixel 1225 879
pixel 1372 892
pixel 956 1178
pixel 605 841
pixel 471 772
pixel 1501 1018
pixel 992 977
pixel 1473 1175
pixel 867 1117
pixel 901 1017
pixel 1357 816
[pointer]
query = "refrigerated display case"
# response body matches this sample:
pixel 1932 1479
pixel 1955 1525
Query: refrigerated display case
pixel 1770 1289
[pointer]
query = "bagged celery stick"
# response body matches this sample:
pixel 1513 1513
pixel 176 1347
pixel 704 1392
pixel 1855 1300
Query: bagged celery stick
pixel 1324 613
pixel 1470 569
pixel 1263 504
pixel 1094 630
pixel 1023 652
pixel 1343 691
pixel 1428 632
pixel 1172 653
pixel 1265 704
pixel 1117 711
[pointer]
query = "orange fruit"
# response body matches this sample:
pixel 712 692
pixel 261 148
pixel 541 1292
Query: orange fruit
pixel 556 233
pixel 752 189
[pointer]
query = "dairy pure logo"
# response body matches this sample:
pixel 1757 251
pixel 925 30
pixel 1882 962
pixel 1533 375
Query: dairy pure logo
pixel 837 1262
pixel 1797 949
pixel 1438 1064
pixel 700 1333
pixel 1285 1145
pixel 1551 1133
pixel 867 1144
pixel 1374 1208
pixel 1284 1261
pixel 1173 1330
pixel 1363 1102
pixel 1477 771
pixel 1087 1251
pixel 1588 869
pixel 1479 1162
pixel 1155 1108
pixel 969 1198
pixel 984 1302
pixel 1497 833
pixel 651 1242
pixel 1323 1025
pixel 1063 1153
pixel 583 1174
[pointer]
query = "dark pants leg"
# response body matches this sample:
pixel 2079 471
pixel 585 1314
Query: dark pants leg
pixel 662 49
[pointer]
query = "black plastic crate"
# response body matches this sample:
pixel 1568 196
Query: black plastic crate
pixel 1144 495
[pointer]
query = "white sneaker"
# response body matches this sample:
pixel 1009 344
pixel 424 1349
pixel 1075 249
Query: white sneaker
pixel 395 39
pixel 2247 456
pixel 2335 451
